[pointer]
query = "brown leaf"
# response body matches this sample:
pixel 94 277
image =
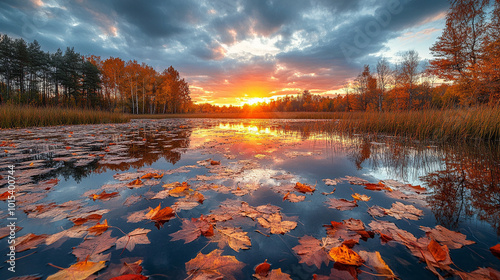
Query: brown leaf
pixel 213 264
pixel 137 236
pixel 29 241
pixel 5 231
pixel 452 239
pixel 81 221
pixel 233 237
pixel 78 271
pixel 293 197
pixel 136 182
pixel 91 248
pixel 346 256
pixel 275 274
pixel 312 251
pixel 275 223
pixel 402 211
pixel 73 232
pixel 376 187
pixel 192 229
pixel 341 204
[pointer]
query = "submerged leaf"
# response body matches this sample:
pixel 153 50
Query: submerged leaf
pixel 137 236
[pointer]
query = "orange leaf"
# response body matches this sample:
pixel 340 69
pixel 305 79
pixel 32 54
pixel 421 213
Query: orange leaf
pixel 99 228
pixel 495 250
pixel 152 176
pixel 346 256
pixel 263 269
pixel 303 188
pixel 213 162
pixel 130 277
pixel 5 195
pixel 68 148
pixel 136 182
pixel 377 187
pixel 436 251
pixel 80 270
pixel 158 214
pixel 103 195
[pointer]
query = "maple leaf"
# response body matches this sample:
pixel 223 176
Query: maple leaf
pixel 275 223
pixel 5 231
pixel 361 197
pixel 313 251
pixel 233 237
pixel 130 277
pixel 192 229
pixel 91 248
pixel 373 259
pixel 126 268
pixel 275 274
pixel 73 232
pixel 180 190
pixel 213 264
pixel 137 236
pixel 377 211
pixel 303 188
pixel 78 271
pixel 29 241
pixel 99 228
pixel 402 211
pixel 103 195
pixel 341 204
pixel 158 214
pixel 293 197
pixel 453 239
pixel 346 256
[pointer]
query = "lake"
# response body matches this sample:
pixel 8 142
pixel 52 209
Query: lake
pixel 178 194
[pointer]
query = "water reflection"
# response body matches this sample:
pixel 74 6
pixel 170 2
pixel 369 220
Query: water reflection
pixel 463 180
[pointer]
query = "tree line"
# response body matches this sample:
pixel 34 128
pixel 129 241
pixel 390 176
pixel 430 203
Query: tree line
pixel 31 76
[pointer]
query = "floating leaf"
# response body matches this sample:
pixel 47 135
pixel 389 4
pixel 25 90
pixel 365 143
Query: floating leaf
pixel 136 182
pixel 293 197
pixel 152 176
pixel 495 250
pixel 344 255
pixel 29 241
pixel 233 237
pixel 275 274
pixel 453 239
pixel 192 229
pixel 374 260
pixel 99 228
pixel 103 195
pixel 303 188
pixel 137 236
pixel 361 197
pixel 158 214
pixel 312 251
pixel 275 223
pixel 78 271
pixel 92 247
pixel 213 266
pixel 402 211
pixel 341 204
pixel 376 187
pixel 262 269
pixel 437 252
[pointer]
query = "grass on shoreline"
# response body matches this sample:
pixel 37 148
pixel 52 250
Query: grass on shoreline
pixel 15 116
pixel 444 125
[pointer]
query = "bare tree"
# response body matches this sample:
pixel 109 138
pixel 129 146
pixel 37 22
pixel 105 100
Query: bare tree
pixel 383 76
pixel 408 73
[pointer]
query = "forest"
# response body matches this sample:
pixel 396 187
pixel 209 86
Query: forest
pixel 68 79
pixel 464 72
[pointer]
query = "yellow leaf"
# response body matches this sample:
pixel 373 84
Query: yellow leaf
pixel 78 271
pixel 346 256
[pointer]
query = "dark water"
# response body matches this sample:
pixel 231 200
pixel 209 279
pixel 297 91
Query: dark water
pixel 462 182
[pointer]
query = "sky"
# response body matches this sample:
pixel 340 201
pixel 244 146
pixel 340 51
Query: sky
pixel 235 51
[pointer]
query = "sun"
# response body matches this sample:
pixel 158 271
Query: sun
pixel 255 100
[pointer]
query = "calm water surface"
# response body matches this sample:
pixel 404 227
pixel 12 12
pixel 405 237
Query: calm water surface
pixel 461 181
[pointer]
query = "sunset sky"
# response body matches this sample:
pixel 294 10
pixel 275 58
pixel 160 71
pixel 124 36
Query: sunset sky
pixel 232 51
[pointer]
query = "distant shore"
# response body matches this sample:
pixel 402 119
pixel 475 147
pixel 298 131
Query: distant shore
pixel 479 123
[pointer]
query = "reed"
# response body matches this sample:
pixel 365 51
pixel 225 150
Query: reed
pixel 12 116
pixel 447 125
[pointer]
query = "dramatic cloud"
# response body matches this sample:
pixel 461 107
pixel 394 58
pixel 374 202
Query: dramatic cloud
pixel 233 51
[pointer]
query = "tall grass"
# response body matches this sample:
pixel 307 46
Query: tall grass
pixel 26 116
pixel 456 124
